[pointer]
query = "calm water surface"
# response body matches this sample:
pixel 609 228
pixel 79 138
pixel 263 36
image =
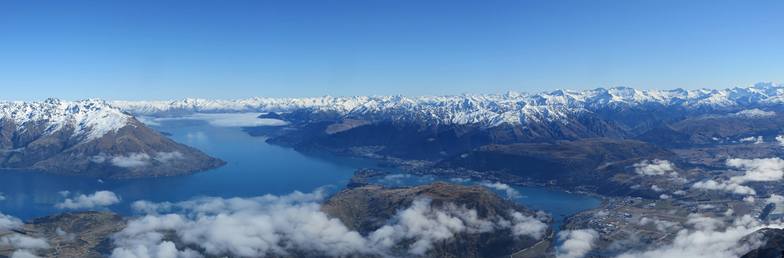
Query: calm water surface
pixel 253 168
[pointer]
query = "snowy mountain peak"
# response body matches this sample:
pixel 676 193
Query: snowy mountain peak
pixel 90 119
pixel 487 110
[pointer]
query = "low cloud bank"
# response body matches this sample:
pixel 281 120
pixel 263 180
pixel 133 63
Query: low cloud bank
pixel 770 169
pixel 221 119
pixel 708 237
pixel 755 170
pixel 278 225
pixel 97 199
pixel 724 186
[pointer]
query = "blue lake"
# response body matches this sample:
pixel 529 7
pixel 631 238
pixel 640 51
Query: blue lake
pixel 253 168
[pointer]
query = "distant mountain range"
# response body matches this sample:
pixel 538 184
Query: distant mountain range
pixel 485 110
pixel 91 138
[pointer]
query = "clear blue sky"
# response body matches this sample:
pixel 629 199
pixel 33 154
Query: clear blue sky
pixel 230 49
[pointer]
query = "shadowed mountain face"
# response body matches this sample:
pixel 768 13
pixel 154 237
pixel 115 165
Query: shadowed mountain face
pixel 419 140
pixel 369 207
pixel 773 243
pixel 586 161
pixel 90 138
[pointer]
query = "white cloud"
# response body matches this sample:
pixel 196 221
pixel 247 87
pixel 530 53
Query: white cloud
pixel 273 225
pixel 237 120
pixel 755 170
pixel 19 241
pixel 755 113
pixel 137 159
pixel 769 169
pixel 780 139
pixel 97 199
pixel 576 243
pixel 755 140
pixel 723 186
pixel 679 192
pixel 131 160
pixel 147 120
pixel 510 192
pixel 23 246
pixel 523 225
pixel 222 119
pixel 9 222
pixel 656 167
pixel 706 238
pixel 777 200
pixel 23 254
pixel 460 180
pixel 661 225
pixel 427 225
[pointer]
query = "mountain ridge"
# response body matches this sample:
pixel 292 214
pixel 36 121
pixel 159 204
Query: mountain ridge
pixel 487 110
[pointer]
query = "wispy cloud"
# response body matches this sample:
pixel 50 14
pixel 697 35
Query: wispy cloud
pixel 510 192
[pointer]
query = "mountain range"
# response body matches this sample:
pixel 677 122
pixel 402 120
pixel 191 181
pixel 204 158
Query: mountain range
pixel 485 110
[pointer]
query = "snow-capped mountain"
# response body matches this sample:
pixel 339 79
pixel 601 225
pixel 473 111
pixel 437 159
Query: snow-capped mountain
pixel 89 137
pixel 486 110
pixel 90 119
